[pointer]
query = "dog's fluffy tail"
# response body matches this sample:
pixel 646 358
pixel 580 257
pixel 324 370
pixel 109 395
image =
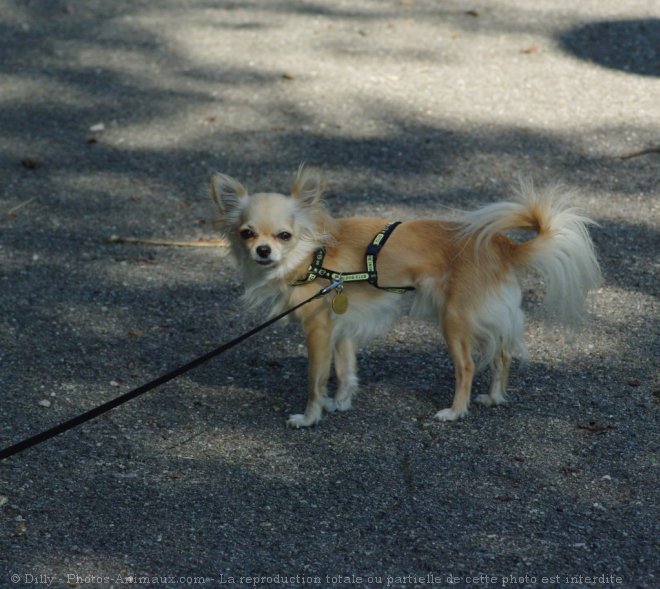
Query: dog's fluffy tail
pixel 561 251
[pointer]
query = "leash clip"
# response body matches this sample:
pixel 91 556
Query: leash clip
pixel 336 284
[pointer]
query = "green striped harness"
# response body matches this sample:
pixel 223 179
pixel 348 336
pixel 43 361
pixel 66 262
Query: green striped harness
pixel 316 269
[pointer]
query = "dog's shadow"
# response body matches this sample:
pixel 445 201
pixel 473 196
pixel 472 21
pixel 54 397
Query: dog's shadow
pixel 425 375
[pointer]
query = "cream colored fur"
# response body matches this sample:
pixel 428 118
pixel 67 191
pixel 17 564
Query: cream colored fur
pixel 465 272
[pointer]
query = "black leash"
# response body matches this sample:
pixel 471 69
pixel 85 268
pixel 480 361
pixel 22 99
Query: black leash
pixel 105 407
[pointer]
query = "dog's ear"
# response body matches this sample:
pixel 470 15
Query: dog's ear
pixel 308 186
pixel 227 193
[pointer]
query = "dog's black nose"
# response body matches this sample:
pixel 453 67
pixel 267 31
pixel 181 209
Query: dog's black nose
pixel 263 251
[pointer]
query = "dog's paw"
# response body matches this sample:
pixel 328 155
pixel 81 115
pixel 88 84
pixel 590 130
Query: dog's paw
pixel 329 404
pixel 488 401
pixel 450 414
pixel 300 420
pixel 343 404
pixel 337 404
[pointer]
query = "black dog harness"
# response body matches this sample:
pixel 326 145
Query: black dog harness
pixel 316 269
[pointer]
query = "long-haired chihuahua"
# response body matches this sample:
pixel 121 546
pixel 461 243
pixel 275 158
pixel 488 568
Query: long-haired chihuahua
pixel 464 272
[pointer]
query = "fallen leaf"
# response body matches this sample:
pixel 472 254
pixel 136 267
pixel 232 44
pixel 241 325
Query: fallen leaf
pixel 596 428
pixel 30 163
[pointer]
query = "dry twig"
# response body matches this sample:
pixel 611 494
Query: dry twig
pixel 19 206
pixel 201 242
pixel 652 149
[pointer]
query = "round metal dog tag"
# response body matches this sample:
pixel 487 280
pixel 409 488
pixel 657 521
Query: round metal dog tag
pixel 340 303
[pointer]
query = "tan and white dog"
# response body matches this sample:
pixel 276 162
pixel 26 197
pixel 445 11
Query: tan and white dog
pixel 465 273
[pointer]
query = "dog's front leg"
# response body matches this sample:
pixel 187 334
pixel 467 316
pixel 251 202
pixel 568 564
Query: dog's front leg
pixel 318 335
pixel 345 369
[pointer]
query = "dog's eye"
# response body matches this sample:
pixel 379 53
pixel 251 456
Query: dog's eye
pixel 247 234
pixel 284 236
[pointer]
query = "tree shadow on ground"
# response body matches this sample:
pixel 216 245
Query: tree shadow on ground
pixel 190 471
pixel 632 46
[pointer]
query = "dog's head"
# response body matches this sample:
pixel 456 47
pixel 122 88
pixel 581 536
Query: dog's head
pixel 267 228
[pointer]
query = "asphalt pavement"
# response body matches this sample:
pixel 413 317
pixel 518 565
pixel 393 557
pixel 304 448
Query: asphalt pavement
pixel 113 115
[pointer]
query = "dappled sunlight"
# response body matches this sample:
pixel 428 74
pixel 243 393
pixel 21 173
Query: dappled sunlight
pixel 115 114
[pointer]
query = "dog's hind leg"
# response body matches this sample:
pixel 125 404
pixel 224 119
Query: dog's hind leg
pixel 346 371
pixel 500 370
pixel 459 344
pixel 503 326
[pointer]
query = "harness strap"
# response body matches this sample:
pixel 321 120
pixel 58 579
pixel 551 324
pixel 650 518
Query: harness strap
pixel 316 269
pixel 372 253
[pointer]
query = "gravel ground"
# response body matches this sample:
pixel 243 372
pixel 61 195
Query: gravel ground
pixel 113 116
